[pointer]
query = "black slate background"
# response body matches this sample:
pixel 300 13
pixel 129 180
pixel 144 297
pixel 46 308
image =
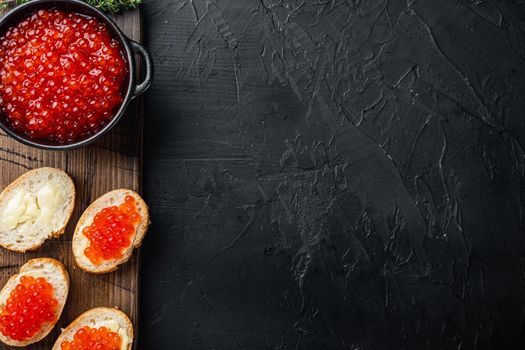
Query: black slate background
pixel 335 174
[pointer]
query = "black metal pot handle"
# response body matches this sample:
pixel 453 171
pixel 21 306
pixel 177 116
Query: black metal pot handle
pixel 148 63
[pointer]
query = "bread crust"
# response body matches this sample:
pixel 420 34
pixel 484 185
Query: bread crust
pixel 26 269
pixel 86 219
pixel 120 317
pixel 71 199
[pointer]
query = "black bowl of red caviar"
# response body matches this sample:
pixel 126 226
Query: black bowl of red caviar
pixel 67 73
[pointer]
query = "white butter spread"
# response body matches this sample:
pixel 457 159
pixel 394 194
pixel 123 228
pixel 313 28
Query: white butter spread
pixel 26 207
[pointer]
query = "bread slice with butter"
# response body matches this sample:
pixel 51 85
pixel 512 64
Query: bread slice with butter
pixel 35 207
pixel 81 242
pixel 114 320
pixel 56 275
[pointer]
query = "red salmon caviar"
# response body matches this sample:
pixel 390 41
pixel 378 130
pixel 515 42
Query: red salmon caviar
pixel 93 339
pixel 111 231
pixel 30 305
pixel 61 76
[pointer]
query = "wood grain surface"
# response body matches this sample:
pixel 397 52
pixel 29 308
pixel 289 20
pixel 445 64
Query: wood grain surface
pixel 113 162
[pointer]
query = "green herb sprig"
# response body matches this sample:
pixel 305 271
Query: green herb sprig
pixel 111 6
pixel 6 3
pixel 114 6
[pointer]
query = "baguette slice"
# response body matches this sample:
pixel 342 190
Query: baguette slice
pixel 44 185
pixel 55 274
pixel 81 242
pixel 113 319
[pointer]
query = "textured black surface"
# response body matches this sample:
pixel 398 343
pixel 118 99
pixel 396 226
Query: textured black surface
pixel 335 174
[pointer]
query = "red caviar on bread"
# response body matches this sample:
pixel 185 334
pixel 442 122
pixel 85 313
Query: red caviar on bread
pixel 31 301
pixel 100 328
pixel 108 231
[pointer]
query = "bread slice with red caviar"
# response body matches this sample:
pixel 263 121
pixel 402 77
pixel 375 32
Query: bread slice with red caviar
pixel 81 242
pixel 101 320
pixel 31 273
pixel 35 207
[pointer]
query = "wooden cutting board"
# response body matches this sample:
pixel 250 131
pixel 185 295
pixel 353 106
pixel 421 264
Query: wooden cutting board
pixel 113 162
